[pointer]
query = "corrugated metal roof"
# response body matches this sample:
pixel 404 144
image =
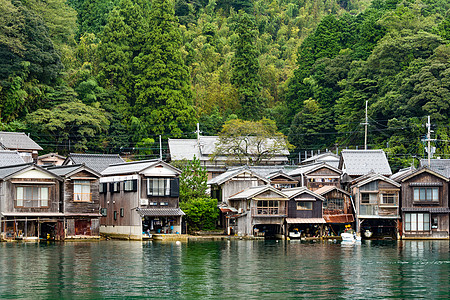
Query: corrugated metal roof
pixel 254 191
pixel 17 141
pixel 360 162
pixel 97 162
pixel 328 157
pixel 328 188
pixel 402 173
pixel 160 212
pixel 294 192
pixel 10 158
pixel 305 221
pixel 222 178
pixel 312 167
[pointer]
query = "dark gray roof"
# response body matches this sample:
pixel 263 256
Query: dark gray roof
pixel 17 141
pixel 360 162
pixel 222 178
pixel 9 158
pixel 160 212
pixel 9 170
pixel 67 170
pixel 136 167
pixel 441 166
pixel 97 162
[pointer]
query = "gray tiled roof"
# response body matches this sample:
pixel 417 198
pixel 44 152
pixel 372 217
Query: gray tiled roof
pixel 135 167
pixel 234 172
pixel 304 169
pixel 160 212
pixel 254 191
pixel 17 141
pixel 9 170
pixel 327 157
pixel 65 170
pixel 441 166
pixel 360 162
pixel 97 162
pixel 9 158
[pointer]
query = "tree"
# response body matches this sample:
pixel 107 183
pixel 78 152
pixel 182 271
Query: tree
pixel 201 210
pixel 163 92
pixel 251 142
pixel 69 124
pixel 246 70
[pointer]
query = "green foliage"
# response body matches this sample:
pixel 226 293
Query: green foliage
pixel 201 211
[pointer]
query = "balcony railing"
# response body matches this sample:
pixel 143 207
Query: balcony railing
pixel 268 211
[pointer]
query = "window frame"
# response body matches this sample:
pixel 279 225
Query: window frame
pixel 417 222
pixel 82 183
pixel 130 185
pixel 418 191
pixel 39 200
pixel 394 196
pixel 301 205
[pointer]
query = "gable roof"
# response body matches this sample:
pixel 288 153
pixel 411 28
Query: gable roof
pixel 17 141
pixel 67 171
pixel 441 166
pixel 97 162
pixel 136 167
pixel 51 155
pixel 306 169
pixel 10 171
pixel 329 188
pixel 372 177
pixel 280 173
pixel 424 170
pixel 231 173
pixel 257 190
pixel 402 173
pixel 360 162
pixel 328 157
pixel 9 158
pixel 294 192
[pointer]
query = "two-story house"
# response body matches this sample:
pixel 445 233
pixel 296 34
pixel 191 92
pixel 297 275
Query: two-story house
pixel 80 201
pixel 138 198
pixel 261 211
pixel 304 212
pixel 30 203
pixel 425 207
pixel 317 175
pixel 377 205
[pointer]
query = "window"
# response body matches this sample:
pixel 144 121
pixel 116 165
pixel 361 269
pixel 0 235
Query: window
pixel 267 207
pixel 103 212
pixel 164 203
pixel 304 205
pixel 32 196
pixel 103 188
pixel 130 185
pixel 426 194
pixel 333 204
pixel 369 198
pixel 82 191
pixel 114 187
pixel 389 198
pixel 115 215
pixel 121 212
pixel 434 222
pixel 417 222
pixel 158 186
pixel 153 203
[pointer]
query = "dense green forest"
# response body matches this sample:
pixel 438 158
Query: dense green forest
pixel 112 75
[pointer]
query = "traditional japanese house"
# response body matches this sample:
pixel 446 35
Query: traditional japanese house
pixel 425 207
pixel 377 205
pixel 96 162
pixel 356 163
pixel 281 180
pixel 230 183
pixel 22 143
pixel 304 212
pixel 317 175
pixel 50 159
pixel 80 201
pixel 138 198
pixel 329 158
pixel 261 211
pixel 10 158
pixel 30 203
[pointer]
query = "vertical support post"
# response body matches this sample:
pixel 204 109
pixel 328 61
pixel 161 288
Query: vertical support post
pixel 429 141
pixel 365 129
pixel 160 148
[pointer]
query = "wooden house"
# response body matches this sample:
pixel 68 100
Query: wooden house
pixel 377 205
pixel 138 198
pixel 30 203
pixel 96 162
pixel 338 208
pixel 329 158
pixel 50 159
pixel 10 158
pixel 425 205
pixel 228 184
pixel 280 180
pixel 305 212
pixel 317 175
pixel 22 143
pixel 80 201
pixel 261 211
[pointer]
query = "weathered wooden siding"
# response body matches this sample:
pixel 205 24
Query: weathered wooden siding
pixel 237 185
pixel 316 211
pixel 71 206
pixel 425 177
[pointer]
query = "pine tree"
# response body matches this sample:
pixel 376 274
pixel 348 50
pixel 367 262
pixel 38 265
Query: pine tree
pixel 164 97
pixel 246 70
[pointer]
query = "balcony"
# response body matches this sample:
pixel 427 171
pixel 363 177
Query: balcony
pixel 269 211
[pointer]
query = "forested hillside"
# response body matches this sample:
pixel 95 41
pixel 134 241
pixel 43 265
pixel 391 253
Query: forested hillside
pixel 110 75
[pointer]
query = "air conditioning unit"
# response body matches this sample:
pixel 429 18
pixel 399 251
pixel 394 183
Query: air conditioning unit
pixel 144 201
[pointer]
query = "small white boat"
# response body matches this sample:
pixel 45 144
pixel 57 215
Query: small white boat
pixel 295 234
pixel 350 237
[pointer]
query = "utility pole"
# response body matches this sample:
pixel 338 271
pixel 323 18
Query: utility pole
pixel 429 140
pixel 365 129
pixel 198 131
pixel 160 148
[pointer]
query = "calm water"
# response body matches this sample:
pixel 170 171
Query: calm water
pixel 229 269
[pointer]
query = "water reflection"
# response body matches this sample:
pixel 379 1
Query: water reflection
pixel 229 269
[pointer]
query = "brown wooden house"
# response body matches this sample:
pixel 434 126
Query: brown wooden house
pixel 315 176
pixel 305 212
pixel 140 198
pixel 425 205
pixel 80 201
pixel 377 205
pixel 280 180
pixel 30 203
